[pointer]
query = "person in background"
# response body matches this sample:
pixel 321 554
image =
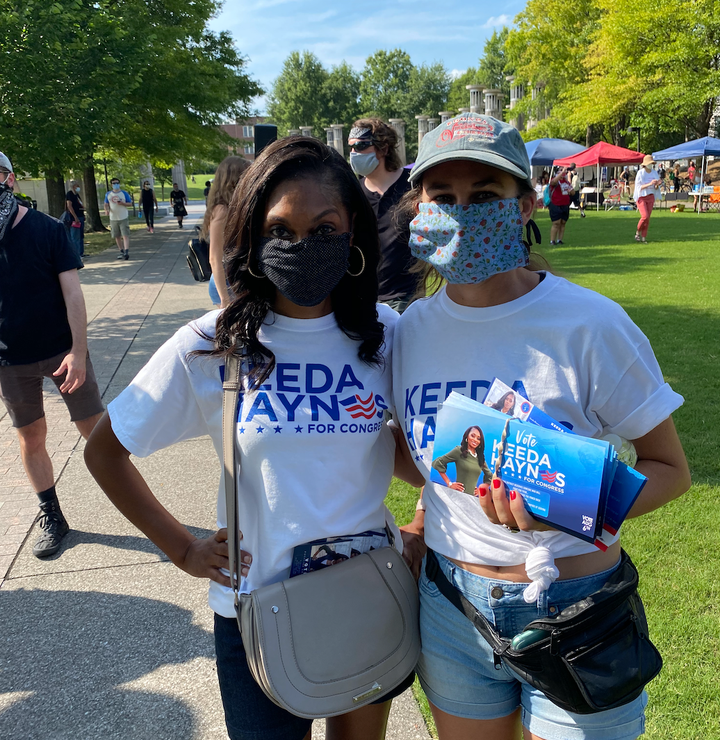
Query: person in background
pixel 560 194
pixel 206 192
pixel 374 158
pixel 577 203
pixel 75 208
pixel 647 182
pixel 117 207
pixel 625 181
pixel 43 334
pixel 149 205
pixel 178 199
pixel 691 174
pixel 539 187
pixel 676 177
pixel 228 174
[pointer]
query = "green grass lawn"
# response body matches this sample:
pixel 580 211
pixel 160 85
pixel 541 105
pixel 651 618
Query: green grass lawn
pixel 194 191
pixel 670 287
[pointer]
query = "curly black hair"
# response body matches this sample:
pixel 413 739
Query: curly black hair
pixel 354 298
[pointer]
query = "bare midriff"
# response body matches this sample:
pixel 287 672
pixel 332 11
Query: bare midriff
pixel 577 566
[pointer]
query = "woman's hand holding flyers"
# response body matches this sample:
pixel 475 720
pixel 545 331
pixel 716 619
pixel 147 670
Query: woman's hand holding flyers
pixel 205 557
pixel 508 511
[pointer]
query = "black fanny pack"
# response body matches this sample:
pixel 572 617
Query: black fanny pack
pixel 592 656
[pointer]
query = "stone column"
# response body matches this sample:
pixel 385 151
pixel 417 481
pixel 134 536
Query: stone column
pixel 432 123
pixel 517 93
pixel 422 127
pixel 330 140
pixel 464 110
pixel 476 101
pixel 399 125
pixel 306 131
pixel 178 174
pixel 538 108
pixel 293 132
pixel 445 115
pixel 493 103
pixel 338 142
pixel 146 173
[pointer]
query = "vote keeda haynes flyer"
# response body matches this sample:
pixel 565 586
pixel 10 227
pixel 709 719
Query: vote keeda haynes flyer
pixel 564 479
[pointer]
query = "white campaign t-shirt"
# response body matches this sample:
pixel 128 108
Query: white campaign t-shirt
pixel 572 352
pixel 316 457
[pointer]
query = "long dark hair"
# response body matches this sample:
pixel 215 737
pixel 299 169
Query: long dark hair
pixel 353 299
pixel 227 176
pixel 480 450
pixel 499 405
pixel 430 280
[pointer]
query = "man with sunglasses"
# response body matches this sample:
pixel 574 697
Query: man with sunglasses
pixel 374 157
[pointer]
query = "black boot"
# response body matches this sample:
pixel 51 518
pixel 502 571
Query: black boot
pixel 54 528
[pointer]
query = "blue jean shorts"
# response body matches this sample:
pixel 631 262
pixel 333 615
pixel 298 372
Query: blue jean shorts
pixel 457 671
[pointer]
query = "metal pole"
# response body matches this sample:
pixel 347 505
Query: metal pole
pixel 598 189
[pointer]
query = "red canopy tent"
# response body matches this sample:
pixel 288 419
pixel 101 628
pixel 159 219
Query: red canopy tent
pixel 601 153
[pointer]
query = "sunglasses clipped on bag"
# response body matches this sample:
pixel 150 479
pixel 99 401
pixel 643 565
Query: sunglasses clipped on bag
pixel 360 146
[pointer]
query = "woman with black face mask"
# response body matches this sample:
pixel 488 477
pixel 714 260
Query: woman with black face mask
pixel 317 457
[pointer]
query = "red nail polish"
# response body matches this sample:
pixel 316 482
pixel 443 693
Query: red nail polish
pixel 482 492
pixel 513 495
pixel 496 482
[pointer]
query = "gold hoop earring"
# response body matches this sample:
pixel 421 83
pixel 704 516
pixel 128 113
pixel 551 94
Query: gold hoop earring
pixel 362 269
pixel 257 277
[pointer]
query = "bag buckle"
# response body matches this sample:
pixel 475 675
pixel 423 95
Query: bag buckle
pixel 374 689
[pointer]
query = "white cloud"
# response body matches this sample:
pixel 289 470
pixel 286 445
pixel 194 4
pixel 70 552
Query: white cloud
pixel 500 20
pixel 455 73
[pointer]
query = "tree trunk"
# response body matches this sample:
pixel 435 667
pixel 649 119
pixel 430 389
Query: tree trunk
pixel 91 198
pixel 589 136
pixel 702 127
pixel 620 127
pixel 55 184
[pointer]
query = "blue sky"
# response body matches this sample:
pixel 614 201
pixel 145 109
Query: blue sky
pixel 448 31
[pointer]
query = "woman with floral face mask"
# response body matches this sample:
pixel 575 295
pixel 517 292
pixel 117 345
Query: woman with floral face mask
pixel 302 257
pixel 573 353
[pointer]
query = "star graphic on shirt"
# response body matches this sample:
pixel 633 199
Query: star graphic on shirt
pixel 259 430
pixel 241 430
pixel 278 429
pixel 417 458
pixel 298 429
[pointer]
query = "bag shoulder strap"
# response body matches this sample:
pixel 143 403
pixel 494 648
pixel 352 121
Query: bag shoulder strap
pixel 231 392
pixel 435 574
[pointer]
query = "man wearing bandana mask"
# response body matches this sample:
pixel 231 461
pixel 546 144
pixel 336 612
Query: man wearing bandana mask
pixel 374 158
pixel 43 333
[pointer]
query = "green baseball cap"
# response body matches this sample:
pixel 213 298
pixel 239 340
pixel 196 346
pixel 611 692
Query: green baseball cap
pixel 478 138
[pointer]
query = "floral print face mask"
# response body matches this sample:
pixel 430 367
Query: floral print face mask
pixel 468 244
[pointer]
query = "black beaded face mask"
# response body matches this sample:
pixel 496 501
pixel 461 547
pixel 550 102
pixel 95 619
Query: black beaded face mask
pixel 305 272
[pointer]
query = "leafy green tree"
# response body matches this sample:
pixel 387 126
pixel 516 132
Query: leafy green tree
pixel 341 94
pixel 384 83
pixel 656 67
pixel 458 96
pixel 548 45
pixel 493 66
pixel 296 98
pixel 144 79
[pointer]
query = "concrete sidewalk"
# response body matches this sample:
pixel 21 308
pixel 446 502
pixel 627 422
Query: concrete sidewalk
pixel 108 639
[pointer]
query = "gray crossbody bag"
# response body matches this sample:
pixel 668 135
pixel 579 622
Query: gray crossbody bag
pixel 327 642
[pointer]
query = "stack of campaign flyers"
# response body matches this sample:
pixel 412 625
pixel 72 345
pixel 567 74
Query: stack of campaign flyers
pixel 574 484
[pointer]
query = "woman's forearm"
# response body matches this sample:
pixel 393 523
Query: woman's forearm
pixel 216 237
pixel 662 461
pixel 109 463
